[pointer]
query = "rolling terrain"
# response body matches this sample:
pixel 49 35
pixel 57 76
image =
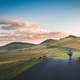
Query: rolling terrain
pixel 16 45
pixel 53 48
pixel 16 57
pixel 70 41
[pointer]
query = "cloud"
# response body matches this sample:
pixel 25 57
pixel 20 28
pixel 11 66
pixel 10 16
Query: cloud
pixel 29 37
pixel 20 23
pixel 7 27
pixel 25 31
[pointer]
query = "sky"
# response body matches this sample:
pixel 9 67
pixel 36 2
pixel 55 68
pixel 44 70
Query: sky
pixel 39 18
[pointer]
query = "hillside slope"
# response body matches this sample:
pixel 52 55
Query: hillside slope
pixel 70 41
pixel 16 45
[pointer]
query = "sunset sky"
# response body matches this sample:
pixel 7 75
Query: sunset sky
pixel 38 19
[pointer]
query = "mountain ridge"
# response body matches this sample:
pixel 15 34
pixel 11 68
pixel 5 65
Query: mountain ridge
pixel 69 41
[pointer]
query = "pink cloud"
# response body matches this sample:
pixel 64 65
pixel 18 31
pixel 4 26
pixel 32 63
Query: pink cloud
pixel 20 23
pixel 27 31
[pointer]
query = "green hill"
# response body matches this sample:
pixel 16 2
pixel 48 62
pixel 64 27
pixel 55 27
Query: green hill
pixel 16 45
pixel 49 41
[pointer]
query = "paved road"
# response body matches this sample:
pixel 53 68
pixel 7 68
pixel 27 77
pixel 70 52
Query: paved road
pixel 52 69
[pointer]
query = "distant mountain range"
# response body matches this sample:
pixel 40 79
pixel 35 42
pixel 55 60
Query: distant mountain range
pixel 69 41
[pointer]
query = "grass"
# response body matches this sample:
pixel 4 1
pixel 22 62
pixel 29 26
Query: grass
pixel 10 70
pixel 58 51
pixel 14 62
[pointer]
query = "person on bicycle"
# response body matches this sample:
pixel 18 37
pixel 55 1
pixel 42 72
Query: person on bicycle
pixel 70 53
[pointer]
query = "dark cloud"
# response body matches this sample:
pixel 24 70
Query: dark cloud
pixel 7 27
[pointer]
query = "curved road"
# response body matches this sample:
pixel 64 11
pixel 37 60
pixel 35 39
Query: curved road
pixel 52 69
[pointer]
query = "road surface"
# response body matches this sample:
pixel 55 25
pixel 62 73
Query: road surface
pixel 52 69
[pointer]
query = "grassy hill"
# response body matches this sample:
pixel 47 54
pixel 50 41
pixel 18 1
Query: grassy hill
pixel 49 41
pixel 16 45
pixel 70 41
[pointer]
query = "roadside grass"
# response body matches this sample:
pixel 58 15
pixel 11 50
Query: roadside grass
pixel 13 63
pixel 10 70
pixel 61 52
